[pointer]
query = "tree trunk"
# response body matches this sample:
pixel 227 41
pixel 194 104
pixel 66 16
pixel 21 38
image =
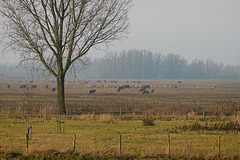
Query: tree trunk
pixel 60 94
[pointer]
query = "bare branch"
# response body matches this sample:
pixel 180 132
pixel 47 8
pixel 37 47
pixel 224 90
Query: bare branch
pixel 59 33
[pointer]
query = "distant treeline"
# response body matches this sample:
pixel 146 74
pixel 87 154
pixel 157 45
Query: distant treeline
pixel 141 64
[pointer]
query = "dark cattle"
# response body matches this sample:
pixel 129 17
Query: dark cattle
pixel 23 86
pixel 125 86
pixel 142 89
pixel 33 86
pixel 152 91
pixel 122 87
pixel 119 88
pixel 53 89
pixel 179 81
pixel 99 81
pixel 47 86
pixel 92 91
pixel 9 86
pixel 145 86
pixel 145 92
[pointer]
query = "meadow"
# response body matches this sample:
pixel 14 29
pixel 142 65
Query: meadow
pixel 196 119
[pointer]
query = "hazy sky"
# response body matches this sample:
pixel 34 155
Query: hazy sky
pixel 191 28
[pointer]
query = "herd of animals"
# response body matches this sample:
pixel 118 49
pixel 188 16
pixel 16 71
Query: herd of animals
pixel 143 88
pixel 122 87
pixel 32 87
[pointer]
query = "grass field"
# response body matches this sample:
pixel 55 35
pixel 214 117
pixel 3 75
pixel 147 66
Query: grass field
pixel 193 118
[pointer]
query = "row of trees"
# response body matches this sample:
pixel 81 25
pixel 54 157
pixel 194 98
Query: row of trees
pixel 143 64
pixel 136 64
pixel 22 71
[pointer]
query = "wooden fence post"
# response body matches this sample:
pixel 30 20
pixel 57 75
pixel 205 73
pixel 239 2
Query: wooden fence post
pixel 60 128
pixel 120 144
pixel 30 132
pixel 74 142
pixel 169 145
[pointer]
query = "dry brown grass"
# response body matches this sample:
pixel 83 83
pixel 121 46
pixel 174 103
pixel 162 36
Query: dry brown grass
pixel 96 121
pixel 180 102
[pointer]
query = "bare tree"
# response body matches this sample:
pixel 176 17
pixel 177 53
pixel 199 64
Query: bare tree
pixel 57 33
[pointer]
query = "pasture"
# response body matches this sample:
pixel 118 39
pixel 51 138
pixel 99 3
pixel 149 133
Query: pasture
pixel 195 119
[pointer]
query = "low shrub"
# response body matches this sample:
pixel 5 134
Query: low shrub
pixel 225 126
pixel 148 122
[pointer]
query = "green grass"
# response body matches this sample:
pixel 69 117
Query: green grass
pixel 101 137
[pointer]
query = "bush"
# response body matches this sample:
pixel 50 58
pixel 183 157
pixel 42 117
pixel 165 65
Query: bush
pixel 148 122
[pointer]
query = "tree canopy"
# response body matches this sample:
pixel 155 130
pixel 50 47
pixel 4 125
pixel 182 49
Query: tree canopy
pixel 57 33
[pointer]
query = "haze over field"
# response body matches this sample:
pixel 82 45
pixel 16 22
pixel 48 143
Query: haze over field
pixel 199 29
pixel 135 64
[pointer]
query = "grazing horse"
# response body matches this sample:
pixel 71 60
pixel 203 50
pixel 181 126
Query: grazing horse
pixel 92 91
pixel 119 88
pixel 23 86
pixel 145 86
pixel 145 92
pixel 33 86
pixel 125 86
pixel 53 89
pixel 142 89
